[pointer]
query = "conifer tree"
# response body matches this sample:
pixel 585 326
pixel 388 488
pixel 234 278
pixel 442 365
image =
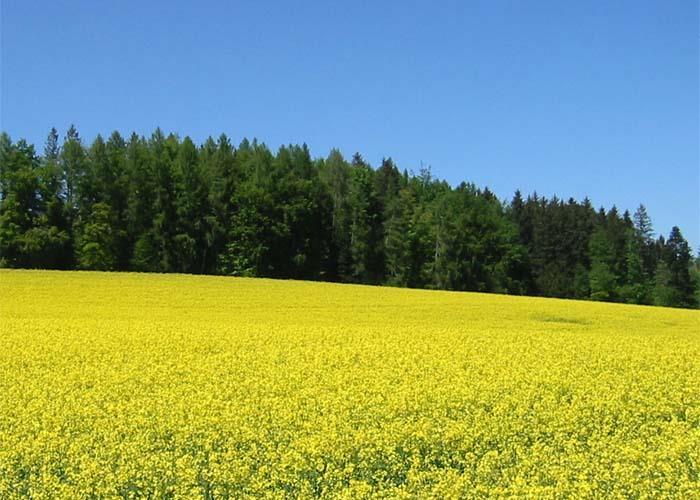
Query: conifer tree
pixel 602 275
pixel 170 206
pixel 678 259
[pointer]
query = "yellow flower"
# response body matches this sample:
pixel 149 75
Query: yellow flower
pixel 136 385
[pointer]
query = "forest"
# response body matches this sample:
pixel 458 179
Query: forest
pixel 165 204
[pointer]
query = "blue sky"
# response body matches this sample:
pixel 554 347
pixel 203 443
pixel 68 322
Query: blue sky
pixel 595 99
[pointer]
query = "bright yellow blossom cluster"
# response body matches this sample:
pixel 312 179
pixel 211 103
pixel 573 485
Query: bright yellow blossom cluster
pixel 136 385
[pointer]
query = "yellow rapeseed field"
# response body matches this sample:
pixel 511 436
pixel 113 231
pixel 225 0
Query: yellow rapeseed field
pixel 136 385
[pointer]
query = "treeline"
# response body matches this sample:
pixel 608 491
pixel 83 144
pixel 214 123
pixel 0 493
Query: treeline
pixel 168 205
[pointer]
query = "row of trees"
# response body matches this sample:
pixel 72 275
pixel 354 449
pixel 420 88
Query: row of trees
pixel 167 205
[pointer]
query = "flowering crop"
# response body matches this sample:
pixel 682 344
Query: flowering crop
pixel 133 385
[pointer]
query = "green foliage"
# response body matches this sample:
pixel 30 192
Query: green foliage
pixel 695 279
pixel 335 175
pixel 664 294
pixel 363 218
pixel 95 246
pixel 33 224
pixel 637 288
pixel 601 276
pixel 195 231
pixel 677 257
pixel 167 205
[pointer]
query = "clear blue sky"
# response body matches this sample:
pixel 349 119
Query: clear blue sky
pixel 568 98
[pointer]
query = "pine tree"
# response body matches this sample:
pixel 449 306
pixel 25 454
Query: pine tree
pixel 167 205
pixel 645 233
pixel 362 220
pixel 678 259
pixel 222 174
pixel 664 294
pixel 695 278
pixel 253 224
pixel 195 216
pixel 95 243
pixel 20 202
pixel 336 177
pixel 399 244
pixel 637 288
pixel 51 228
pixel 140 205
pixel 602 276
pixel 164 151
pixel 99 223
pixel 73 160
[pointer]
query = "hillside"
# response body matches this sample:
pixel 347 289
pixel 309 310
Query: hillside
pixel 155 385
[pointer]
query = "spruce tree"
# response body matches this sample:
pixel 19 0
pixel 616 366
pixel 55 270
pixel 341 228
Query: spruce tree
pixel 645 233
pixel 678 259
pixel 602 275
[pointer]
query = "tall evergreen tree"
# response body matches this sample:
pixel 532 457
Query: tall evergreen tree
pixel 678 259
pixel 637 288
pixel 50 233
pixel 221 169
pixel 73 160
pixel 170 206
pixel 602 275
pixel 335 175
pixel 195 231
pixel 93 225
pixel 252 225
pixel 363 218
pixel 164 151
pixel 140 205
pixel 20 207
pixel 664 293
